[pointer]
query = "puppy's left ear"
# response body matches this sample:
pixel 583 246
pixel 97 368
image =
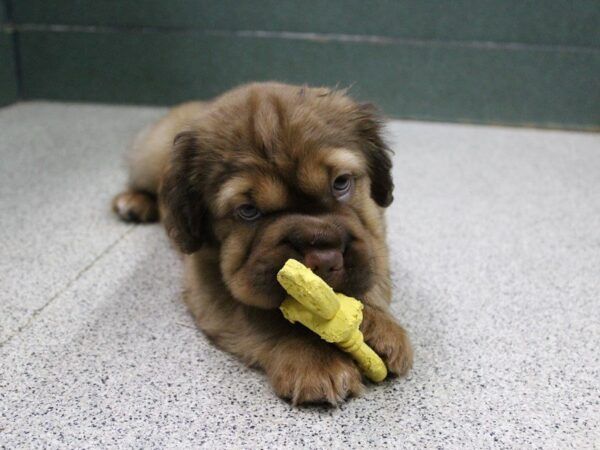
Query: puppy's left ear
pixel 183 208
pixel 369 128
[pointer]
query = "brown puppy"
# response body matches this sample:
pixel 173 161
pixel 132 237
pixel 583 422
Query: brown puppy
pixel 264 173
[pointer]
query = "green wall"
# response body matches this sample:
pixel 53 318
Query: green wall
pixel 502 61
pixel 8 77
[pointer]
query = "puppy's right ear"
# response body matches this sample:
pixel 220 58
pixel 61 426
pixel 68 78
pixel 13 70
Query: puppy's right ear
pixel 378 155
pixel 183 208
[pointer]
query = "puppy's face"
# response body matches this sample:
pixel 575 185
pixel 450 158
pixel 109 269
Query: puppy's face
pixel 276 172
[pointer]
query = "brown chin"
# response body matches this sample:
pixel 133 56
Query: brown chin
pixel 258 286
pixel 262 290
pixel 263 302
pixel 255 282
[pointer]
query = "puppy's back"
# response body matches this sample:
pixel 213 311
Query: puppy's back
pixel 149 151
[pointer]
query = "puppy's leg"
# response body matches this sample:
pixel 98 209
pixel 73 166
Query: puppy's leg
pixel 136 206
pixel 301 367
pixel 305 369
pixel 387 338
pixel 147 160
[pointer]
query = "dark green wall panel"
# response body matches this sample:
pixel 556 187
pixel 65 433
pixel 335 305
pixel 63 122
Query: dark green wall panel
pixel 3 11
pixel 438 82
pixel 8 81
pixel 549 22
pixel 491 61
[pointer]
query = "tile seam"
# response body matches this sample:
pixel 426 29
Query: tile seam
pixel 38 311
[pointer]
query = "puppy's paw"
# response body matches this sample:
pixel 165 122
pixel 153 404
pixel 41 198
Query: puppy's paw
pixel 320 375
pixel 135 206
pixel 390 341
pixel 394 346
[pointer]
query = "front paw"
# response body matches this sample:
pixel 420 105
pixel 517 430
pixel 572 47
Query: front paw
pixel 314 374
pixel 390 341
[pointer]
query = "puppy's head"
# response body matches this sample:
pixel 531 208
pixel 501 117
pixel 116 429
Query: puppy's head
pixel 275 172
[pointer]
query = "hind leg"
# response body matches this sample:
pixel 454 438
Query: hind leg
pixel 136 206
pixel 147 159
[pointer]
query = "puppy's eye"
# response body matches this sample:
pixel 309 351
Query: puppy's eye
pixel 342 186
pixel 247 212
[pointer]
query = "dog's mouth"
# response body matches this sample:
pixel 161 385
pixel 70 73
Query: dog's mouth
pixel 335 251
pixel 350 280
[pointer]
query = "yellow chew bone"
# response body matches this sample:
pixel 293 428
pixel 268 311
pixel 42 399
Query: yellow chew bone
pixel 332 316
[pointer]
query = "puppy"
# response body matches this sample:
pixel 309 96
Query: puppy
pixel 264 173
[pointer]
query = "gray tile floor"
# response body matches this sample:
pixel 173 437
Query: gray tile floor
pixel 495 237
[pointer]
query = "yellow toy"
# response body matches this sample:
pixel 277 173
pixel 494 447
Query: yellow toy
pixel 332 316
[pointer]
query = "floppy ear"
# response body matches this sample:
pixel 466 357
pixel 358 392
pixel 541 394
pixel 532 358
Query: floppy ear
pixel 378 155
pixel 183 208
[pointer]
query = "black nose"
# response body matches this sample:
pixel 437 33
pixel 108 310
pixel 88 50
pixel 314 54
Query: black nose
pixel 324 261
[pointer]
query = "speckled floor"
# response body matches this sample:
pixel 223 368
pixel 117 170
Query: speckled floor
pixel 495 237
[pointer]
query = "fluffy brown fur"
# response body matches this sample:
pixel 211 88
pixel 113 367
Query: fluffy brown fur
pixel 264 173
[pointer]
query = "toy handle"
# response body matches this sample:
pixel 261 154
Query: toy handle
pixel 369 362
